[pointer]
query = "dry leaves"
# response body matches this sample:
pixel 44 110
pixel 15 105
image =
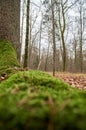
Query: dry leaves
pixel 76 80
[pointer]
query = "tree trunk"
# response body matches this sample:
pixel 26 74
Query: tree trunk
pixel 27 35
pixel 81 40
pixel 10 22
pixel 53 35
pixel 64 52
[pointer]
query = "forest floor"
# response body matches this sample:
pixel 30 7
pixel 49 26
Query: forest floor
pixel 77 80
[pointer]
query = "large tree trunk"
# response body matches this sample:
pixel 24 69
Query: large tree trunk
pixel 10 22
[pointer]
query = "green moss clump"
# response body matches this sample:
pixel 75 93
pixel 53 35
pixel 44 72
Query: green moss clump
pixel 34 100
pixel 8 57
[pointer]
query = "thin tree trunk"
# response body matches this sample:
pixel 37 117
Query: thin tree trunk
pixel 40 40
pixel 27 35
pixel 62 25
pixel 46 61
pixel 81 55
pixel 53 35
pixel 64 53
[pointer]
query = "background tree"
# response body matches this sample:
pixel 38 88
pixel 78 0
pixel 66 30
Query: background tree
pixel 81 30
pixel 53 35
pixel 27 35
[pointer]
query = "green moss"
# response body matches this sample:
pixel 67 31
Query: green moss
pixel 8 57
pixel 34 100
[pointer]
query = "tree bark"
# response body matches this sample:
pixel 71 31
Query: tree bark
pixel 10 22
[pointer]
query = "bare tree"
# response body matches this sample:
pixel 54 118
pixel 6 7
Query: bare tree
pixel 46 59
pixel 53 35
pixel 27 35
pixel 81 36
pixel 62 27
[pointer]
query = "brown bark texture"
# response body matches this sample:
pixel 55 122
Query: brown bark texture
pixel 10 22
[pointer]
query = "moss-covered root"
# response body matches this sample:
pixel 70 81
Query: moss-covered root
pixel 8 57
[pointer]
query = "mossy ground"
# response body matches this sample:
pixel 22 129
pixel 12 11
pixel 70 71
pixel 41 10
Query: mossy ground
pixel 34 100
pixel 8 57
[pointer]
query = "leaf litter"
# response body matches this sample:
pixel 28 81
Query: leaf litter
pixel 75 80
